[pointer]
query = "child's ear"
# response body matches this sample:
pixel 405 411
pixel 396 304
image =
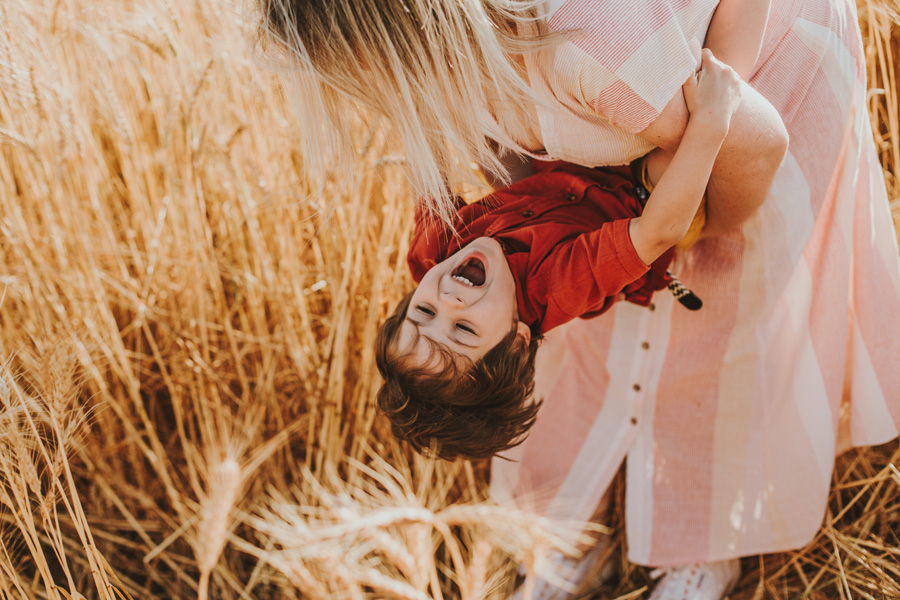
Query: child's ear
pixel 523 331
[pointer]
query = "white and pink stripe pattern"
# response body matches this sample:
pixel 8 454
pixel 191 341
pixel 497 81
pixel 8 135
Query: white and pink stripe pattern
pixel 729 417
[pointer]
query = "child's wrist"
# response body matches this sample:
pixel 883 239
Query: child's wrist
pixel 712 127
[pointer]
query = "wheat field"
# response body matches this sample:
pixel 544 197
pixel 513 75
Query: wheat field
pixel 186 326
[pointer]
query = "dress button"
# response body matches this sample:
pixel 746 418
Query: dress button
pixel 527 213
pixel 633 421
pixel 645 345
pixel 652 306
pixel 569 197
pixel 636 387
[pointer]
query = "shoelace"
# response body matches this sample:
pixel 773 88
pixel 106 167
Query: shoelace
pixel 687 298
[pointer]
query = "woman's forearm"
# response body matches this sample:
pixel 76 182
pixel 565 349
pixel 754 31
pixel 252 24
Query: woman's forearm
pixel 748 161
pixel 736 33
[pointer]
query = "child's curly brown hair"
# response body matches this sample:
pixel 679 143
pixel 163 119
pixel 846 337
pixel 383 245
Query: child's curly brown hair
pixel 468 410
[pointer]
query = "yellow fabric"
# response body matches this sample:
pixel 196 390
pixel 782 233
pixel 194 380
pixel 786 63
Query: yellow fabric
pixel 693 232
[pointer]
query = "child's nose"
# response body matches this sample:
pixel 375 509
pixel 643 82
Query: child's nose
pixel 451 299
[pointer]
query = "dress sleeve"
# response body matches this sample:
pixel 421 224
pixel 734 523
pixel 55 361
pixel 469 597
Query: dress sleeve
pixel 627 59
pixel 584 275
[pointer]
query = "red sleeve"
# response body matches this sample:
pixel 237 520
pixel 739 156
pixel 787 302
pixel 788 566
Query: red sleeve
pixel 429 242
pixel 584 275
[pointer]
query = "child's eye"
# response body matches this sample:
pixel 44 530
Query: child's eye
pixel 425 310
pixel 465 328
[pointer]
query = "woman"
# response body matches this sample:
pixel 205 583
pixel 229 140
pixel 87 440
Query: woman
pixel 730 416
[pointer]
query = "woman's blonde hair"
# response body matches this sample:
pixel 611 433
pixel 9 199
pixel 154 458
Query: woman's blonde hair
pixel 434 68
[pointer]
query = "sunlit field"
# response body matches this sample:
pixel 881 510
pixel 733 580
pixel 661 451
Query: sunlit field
pixel 186 342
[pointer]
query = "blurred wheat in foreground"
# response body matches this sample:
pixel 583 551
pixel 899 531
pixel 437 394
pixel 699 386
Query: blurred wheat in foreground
pixel 186 373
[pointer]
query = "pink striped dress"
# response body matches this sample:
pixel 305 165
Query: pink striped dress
pixel 728 418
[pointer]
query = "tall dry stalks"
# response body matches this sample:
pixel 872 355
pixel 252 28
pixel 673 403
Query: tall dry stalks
pixel 186 342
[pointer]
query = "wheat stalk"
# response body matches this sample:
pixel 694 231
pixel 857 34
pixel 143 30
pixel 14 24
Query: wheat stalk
pixel 186 334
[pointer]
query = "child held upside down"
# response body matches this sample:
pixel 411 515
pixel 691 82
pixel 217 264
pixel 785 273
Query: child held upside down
pixel 457 354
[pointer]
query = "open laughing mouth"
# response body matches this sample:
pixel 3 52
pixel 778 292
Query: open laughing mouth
pixel 470 272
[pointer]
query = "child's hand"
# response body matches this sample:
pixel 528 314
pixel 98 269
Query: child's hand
pixel 713 93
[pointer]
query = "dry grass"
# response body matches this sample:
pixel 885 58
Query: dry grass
pixel 185 336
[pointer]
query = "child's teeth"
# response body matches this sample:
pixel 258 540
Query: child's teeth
pixel 463 279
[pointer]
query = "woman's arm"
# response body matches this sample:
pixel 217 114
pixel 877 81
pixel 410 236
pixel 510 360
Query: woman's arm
pixel 736 33
pixel 757 139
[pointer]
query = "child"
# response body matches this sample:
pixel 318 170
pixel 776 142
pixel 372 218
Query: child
pixel 458 353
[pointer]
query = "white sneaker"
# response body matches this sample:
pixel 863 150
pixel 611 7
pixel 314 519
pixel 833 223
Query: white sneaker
pixel 567 574
pixel 703 581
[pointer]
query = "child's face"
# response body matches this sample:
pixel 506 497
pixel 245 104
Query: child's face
pixel 466 303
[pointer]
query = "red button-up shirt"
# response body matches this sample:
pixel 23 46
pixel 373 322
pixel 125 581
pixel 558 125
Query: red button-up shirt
pixel 564 232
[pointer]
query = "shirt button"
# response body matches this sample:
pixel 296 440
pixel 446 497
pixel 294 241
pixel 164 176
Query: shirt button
pixel 645 345
pixel 652 306
pixel 633 421
pixel 569 197
pixel 636 387
pixel 527 213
